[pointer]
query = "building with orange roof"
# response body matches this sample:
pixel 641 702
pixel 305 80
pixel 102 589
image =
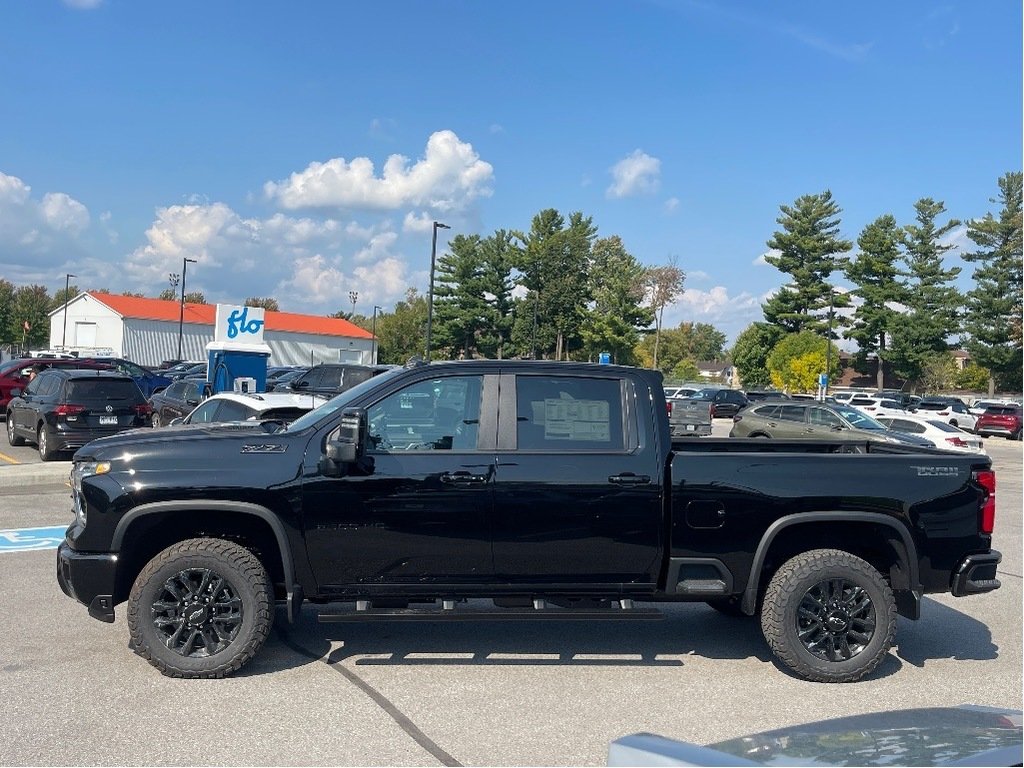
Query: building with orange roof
pixel 146 331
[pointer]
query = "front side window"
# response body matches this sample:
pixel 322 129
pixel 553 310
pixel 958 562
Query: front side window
pixel 204 413
pixel 568 414
pixel 822 418
pixel 434 415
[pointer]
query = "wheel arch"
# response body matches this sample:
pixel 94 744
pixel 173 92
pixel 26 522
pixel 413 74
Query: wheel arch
pixel 148 529
pixel 889 547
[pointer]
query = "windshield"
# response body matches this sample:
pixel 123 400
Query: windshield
pixel 859 420
pixel 338 402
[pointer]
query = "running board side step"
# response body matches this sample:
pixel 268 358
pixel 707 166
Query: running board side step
pixel 507 614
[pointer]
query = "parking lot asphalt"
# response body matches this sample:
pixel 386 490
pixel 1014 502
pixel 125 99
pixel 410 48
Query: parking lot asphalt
pixel 71 692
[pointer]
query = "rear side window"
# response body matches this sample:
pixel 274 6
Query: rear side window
pixel 1000 411
pixel 769 411
pixel 902 425
pixel 568 414
pixel 86 390
pixel 792 413
pixel 231 411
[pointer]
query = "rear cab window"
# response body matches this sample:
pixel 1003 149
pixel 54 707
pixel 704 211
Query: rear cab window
pixel 569 414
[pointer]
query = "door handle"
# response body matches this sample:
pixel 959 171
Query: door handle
pixel 463 478
pixel 628 478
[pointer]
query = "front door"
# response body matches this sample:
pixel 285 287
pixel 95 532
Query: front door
pixel 420 512
pixel 578 492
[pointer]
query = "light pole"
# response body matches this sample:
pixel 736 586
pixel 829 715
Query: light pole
pixel 181 307
pixel 373 332
pixel 430 301
pixel 353 296
pixel 67 288
pixel 828 346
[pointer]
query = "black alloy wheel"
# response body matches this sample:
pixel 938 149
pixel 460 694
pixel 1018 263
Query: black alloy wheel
pixel 829 616
pixel 202 608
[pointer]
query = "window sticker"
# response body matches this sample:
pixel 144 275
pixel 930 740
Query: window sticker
pixel 576 420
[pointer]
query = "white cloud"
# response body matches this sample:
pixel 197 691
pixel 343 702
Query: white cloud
pixel 378 248
pixel 449 177
pixel 62 212
pixel 761 261
pixel 697 276
pixel 37 234
pixel 316 281
pixel 496 128
pixel 730 314
pixel 383 128
pixel 671 205
pixel 635 174
pixel 418 222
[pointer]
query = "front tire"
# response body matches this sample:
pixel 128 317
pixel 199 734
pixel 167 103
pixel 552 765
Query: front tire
pixel 829 616
pixel 202 608
pixel 157 423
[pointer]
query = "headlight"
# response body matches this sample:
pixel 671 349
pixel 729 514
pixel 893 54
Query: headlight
pixel 83 469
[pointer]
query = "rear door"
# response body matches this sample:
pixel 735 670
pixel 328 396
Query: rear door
pixel 578 496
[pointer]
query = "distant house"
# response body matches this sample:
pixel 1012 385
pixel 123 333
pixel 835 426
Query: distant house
pixel 716 370
pixel 146 332
pixel 854 379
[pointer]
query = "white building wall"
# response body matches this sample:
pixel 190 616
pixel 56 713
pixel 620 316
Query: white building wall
pixel 149 342
pixel 103 324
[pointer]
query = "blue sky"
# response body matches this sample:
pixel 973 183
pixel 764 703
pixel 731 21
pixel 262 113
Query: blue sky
pixel 301 150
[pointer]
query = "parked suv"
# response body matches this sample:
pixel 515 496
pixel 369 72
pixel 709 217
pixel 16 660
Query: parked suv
pixel 331 379
pixel 1004 420
pixel 948 409
pixel 16 374
pixel 815 421
pixel 62 409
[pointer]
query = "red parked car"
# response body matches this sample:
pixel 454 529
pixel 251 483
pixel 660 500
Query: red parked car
pixel 1005 420
pixel 15 373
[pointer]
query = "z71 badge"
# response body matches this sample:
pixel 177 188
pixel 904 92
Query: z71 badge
pixel 265 448
pixel 937 471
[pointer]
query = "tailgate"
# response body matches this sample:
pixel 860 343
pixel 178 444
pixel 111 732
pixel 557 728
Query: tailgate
pixel 690 417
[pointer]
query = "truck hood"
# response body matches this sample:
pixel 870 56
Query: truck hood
pixel 175 440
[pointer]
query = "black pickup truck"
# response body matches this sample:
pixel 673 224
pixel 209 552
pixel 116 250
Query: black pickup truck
pixel 552 490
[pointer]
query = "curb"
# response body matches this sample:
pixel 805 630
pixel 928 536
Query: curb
pixel 30 475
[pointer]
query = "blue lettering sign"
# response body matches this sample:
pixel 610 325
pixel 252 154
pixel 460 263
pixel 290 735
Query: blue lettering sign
pixel 237 323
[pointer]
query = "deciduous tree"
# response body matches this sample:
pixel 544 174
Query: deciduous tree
pixel 617 314
pixel 266 302
pixel 750 353
pixel 664 285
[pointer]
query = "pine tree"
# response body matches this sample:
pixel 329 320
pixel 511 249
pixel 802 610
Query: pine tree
pixel 809 250
pixel 459 306
pixel 875 273
pixel 993 311
pixel 498 255
pixel 617 285
pixel 931 299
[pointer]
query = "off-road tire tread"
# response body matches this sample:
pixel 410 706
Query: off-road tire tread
pixel 246 565
pixel 783 588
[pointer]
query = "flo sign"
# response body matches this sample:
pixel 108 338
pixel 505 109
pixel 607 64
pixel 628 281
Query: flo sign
pixel 239 325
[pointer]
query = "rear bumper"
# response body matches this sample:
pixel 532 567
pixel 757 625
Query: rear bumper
pixel 89 579
pixel 976 574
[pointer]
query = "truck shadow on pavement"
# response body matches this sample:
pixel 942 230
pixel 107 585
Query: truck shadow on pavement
pixel 944 633
pixel 687 630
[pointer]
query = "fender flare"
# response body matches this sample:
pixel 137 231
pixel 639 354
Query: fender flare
pixel 294 591
pixel 749 600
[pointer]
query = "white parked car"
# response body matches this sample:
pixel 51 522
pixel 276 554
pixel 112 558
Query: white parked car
pixel 877 406
pixel 949 410
pixel 257 406
pixel 943 435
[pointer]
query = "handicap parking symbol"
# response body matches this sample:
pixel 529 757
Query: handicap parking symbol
pixel 28 539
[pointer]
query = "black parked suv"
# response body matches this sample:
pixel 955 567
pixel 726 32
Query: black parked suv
pixel 331 379
pixel 178 400
pixel 64 408
pixel 724 402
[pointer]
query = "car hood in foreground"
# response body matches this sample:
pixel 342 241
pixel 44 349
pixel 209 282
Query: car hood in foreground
pixel 965 735
pixel 176 439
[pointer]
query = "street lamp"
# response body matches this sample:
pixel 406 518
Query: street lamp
pixel 353 296
pixel 67 288
pixel 828 345
pixel 430 302
pixel 181 307
pixel 373 331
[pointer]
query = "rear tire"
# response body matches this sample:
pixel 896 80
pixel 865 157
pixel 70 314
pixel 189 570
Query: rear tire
pixel 46 452
pixel 13 439
pixel 829 616
pixel 156 420
pixel 202 608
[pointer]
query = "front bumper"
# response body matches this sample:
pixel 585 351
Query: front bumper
pixel 976 574
pixel 89 579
